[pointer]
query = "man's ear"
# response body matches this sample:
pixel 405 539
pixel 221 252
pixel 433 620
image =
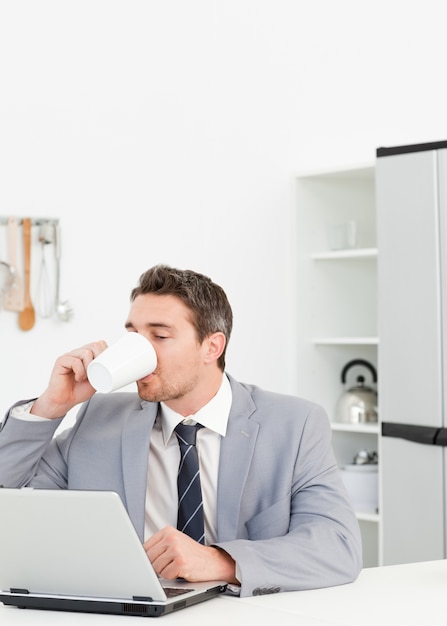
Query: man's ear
pixel 214 346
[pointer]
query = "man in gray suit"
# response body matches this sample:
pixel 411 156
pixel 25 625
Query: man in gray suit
pixel 276 515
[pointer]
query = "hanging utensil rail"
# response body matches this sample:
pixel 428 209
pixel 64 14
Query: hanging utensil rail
pixel 35 221
pixel 45 291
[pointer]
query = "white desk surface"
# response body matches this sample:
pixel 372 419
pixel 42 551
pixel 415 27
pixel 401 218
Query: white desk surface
pixel 400 595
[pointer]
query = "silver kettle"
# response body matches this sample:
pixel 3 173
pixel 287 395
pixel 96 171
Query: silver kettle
pixel 358 405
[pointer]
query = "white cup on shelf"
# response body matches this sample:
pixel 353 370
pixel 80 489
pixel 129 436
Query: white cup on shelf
pixel 342 235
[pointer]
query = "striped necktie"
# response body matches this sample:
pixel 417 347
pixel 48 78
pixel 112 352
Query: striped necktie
pixel 190 506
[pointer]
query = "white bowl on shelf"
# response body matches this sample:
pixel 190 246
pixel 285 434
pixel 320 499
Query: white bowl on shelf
pixel 362 485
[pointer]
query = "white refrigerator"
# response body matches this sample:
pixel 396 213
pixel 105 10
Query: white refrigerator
pixel 411 202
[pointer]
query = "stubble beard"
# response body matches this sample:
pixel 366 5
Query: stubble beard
pixel 165 391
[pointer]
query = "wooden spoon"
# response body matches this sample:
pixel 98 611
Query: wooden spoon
pixel 27 316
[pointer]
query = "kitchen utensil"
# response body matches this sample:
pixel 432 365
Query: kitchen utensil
pixel 64 311
pixel 364 457
pixel 6 279
pixel 362 484
pixel 13 297
pixel 44 300
pixel 27 316
pixel 359 403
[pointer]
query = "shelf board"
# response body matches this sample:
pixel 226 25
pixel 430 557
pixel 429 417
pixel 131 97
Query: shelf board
pixel 371 428
pixel 367 517
pixel 351 253
pixel 345 341
pixel 349 172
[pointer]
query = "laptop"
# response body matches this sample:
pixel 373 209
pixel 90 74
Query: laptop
pixel 70 550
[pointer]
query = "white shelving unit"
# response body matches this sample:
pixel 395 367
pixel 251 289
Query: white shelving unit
pixel 337 306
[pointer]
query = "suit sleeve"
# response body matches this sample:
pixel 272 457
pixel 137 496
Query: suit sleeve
pixel 313 538
pixel 30 455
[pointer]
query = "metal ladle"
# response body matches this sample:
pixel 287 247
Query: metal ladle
pixel 64 311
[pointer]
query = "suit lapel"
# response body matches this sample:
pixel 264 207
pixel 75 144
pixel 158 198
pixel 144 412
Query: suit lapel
pixel 236 453
pixel 135 450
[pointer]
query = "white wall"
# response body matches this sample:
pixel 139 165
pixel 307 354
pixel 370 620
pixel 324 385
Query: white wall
pixel 170 130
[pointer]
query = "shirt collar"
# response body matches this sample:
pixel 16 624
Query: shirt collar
pixel 214 415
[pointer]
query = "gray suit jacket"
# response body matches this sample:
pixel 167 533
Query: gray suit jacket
pixel 282 511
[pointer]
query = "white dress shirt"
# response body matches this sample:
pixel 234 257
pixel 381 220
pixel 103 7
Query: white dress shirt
pixel 164 459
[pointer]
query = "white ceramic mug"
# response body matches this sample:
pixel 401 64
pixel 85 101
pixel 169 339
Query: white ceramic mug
pixel 132 357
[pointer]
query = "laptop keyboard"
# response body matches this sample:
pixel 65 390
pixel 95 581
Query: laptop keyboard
pixel 172 592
